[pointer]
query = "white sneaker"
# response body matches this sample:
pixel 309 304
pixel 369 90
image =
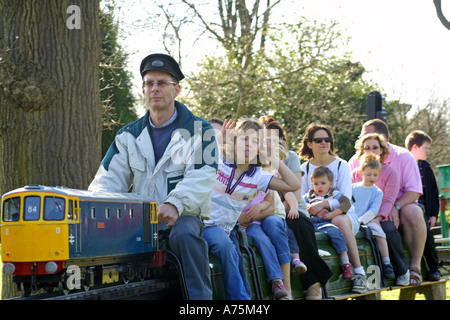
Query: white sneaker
pixel 359 283
pixel 403 280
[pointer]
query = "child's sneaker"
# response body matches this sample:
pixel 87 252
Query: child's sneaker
pixel 359 283
pixel 298 267
pixel 347 272
pixel 388 272
pixel 278 290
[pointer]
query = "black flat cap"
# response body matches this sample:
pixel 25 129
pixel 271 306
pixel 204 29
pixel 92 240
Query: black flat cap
pixel 161 62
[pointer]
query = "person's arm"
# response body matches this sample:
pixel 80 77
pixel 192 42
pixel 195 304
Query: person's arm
pixel 261 210
pixel 390 187
pixel 292 203
pixel 344 206
pixel 432 204
pixel 264 209
pixel 287 182
pixel 195 188
pixel 407 197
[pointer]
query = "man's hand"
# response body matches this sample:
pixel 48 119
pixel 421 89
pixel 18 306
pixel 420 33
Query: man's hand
pixel 167 213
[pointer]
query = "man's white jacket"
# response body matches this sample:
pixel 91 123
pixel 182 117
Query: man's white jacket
pixel 185 174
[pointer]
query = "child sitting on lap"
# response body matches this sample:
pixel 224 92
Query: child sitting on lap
pixel 322 181
pixel 367 201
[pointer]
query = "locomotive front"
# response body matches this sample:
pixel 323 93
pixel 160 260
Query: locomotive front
pixel 35 227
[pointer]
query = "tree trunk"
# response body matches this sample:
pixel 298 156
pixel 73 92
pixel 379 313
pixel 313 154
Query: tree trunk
pixel 50 114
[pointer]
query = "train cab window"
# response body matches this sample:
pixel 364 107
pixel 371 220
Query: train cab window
pixel 11 209
pixel 54 208
pixel 70 214
pixel 72 211
pixel 31 208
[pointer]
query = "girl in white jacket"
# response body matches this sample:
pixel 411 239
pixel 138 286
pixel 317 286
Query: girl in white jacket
pixel 240 178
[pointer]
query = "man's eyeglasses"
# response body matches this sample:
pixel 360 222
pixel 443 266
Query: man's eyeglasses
pixel 159 83
pixel 319 140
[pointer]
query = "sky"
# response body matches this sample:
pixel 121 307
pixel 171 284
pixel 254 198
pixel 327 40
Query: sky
pixel 402 44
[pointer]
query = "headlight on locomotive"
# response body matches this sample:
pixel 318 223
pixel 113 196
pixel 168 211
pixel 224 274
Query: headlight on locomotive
pixel 9 268
pixel 51 267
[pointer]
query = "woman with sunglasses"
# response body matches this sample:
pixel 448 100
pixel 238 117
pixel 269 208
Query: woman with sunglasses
pixel 317 150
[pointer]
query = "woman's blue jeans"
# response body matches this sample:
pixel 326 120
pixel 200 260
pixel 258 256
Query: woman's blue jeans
pixel 271 240
pixel 225 250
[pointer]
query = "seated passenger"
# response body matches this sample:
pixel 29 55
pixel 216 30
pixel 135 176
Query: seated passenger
pixel 367 201
pixel 140 158
pixel 301 231
pixel 419 143
pixel 240 178
pixel 317 149
pixel 322 181
pixel 389 182
pixel 268 231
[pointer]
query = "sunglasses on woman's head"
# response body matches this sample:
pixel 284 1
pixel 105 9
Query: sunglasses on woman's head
pixel 319 140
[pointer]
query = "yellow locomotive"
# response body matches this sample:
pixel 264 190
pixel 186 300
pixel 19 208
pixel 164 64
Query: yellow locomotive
pixel 106 237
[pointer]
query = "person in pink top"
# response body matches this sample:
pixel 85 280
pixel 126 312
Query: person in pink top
pixel 389 182
pixel 410 215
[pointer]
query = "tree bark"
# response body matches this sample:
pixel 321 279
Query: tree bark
pixel 50 114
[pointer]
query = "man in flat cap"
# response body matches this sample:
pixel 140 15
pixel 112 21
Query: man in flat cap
pixel 142 156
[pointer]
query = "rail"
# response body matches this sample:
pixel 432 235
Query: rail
pixel 116 292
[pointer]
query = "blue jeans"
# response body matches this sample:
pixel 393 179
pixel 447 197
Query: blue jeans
pixel 334 233
pixel 186 242
pixel 271 240
pixel 293 245
pixel 228 254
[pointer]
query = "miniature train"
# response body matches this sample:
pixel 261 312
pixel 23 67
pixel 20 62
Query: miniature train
pixel 66 239
pixel 102 237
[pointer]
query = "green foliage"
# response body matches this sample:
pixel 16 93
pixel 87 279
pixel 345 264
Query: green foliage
pixel 434 119
pixel 299 78
pixel 115 83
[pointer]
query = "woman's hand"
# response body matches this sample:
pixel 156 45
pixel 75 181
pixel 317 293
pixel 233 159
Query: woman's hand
pixel 394 216
pixel 318 206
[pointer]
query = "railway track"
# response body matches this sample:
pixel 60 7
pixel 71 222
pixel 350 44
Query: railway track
pixel 148 289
